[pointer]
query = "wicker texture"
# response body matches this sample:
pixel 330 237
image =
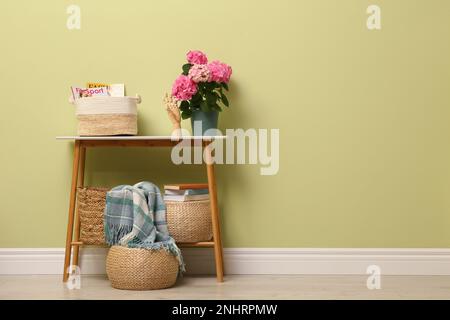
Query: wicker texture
pixel 141 269
pixel 107 124
pixel 91 204
pixel 189 221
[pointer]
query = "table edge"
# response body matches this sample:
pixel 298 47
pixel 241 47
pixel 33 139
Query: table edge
pixel 140 138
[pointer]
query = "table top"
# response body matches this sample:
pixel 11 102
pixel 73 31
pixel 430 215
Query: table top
pixel 149 138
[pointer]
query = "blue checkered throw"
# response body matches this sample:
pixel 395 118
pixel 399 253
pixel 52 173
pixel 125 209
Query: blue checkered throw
pixel 135 217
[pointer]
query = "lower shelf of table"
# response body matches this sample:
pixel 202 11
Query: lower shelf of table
pixel 201 244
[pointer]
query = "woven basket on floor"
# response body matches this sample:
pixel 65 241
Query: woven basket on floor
pixel 106 116
pixel 91 204
pixel 141 269
pixel 189 221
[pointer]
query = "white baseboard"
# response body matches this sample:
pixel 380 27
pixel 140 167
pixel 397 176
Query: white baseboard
pixel 330 261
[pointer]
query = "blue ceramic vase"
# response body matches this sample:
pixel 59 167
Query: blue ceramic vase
pixel 202 121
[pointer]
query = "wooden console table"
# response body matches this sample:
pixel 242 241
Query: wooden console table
pixel 79 156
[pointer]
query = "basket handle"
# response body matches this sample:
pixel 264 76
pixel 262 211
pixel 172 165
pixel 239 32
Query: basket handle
pixel 138 99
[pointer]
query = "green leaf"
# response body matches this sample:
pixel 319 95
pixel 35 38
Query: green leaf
pixel 224 99
pixel 201 87
pixel 186 67
pixel 211 98
pixel 196 99
pixel 225 86
pixel 217 108
pixel 204 106
pixel 184 106
pixel 210 86
pixel 186 114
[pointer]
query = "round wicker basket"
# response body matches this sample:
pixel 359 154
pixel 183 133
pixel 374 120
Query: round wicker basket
pixel 91 204
pixel 189 221
pixel 141 269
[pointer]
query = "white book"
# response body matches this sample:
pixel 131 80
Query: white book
pixel 182 197
pixel 116 90
pixel 186 192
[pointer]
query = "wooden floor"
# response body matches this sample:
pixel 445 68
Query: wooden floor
pixel 234 287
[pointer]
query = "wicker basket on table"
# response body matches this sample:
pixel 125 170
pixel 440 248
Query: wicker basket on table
pixel 189 221
pixel 91 205
pixel 106 116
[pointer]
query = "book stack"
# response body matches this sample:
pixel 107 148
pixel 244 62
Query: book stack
pixel 186 192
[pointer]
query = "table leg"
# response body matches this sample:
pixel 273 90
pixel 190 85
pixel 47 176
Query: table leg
pixel 218 252
pixel 73 191
pixel 76 238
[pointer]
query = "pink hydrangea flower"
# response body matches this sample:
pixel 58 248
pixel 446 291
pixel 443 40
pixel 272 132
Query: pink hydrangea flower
pixel 199 73
pixel 184 88
pixel 196 57
pixel 220 72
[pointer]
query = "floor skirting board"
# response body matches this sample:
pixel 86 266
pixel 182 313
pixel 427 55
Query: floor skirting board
pixel 332 261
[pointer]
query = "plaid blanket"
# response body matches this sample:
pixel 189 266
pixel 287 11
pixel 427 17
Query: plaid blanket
pixel 135 216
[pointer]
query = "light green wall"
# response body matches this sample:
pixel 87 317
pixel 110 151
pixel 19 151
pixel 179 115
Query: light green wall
pixel 363 115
